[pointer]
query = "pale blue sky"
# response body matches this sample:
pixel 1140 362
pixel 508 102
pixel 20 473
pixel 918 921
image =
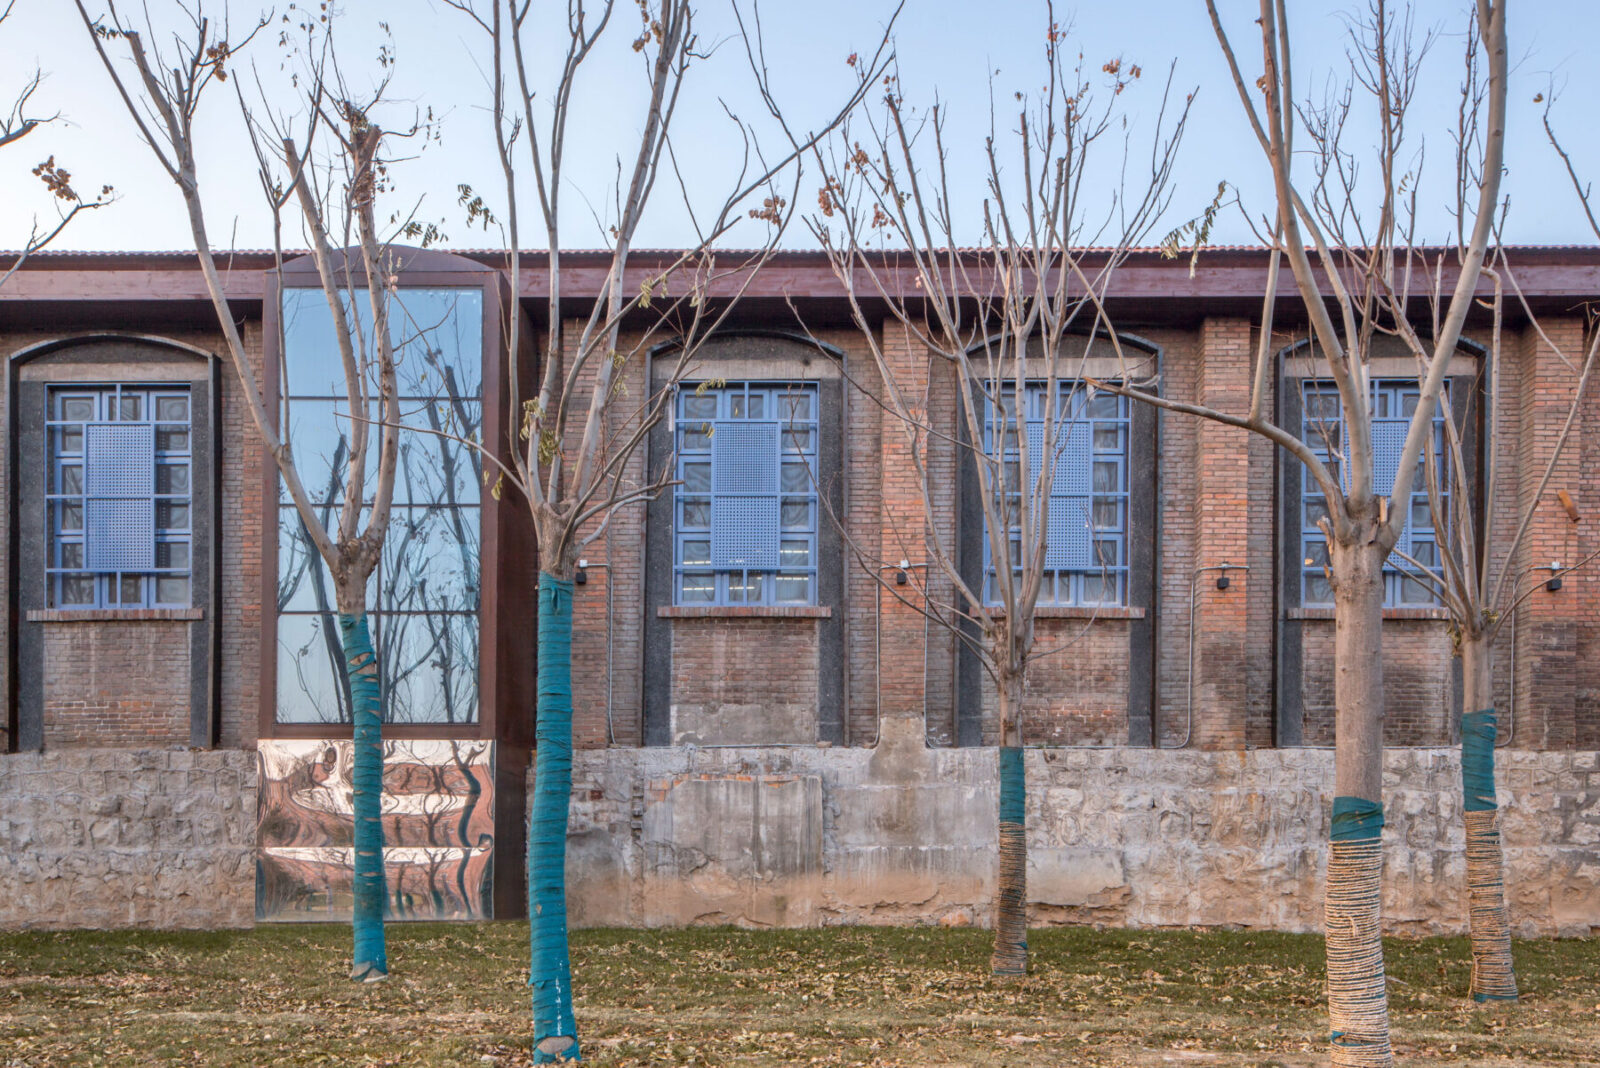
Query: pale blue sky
pixel 949 47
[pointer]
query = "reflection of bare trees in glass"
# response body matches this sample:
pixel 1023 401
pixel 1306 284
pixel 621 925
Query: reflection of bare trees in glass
pixel 304 564
pixel 424 617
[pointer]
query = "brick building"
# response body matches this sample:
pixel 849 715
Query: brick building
pixel 765 736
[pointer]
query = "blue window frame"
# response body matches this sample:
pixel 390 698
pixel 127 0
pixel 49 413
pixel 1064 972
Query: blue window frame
pixel 1394 402
pixel 745 508
pixel 118 493
pixel 1086 514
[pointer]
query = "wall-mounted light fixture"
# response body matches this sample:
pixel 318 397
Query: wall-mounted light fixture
pixel 1555 580
pixel 582 578
pixel 900 577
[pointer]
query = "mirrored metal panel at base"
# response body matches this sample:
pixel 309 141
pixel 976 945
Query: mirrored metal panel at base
pixel 438 826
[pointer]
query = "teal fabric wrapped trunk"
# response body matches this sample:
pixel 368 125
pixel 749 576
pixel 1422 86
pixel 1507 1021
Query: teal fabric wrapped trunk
pixel 551 972
pixel 370 894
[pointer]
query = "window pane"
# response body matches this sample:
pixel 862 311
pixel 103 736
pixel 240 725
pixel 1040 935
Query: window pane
pixel 69 554
pixel 697 478
pixel 799 440
pixel 69 439
pixel 69 479
pixel 1318 590
pixel 695 439
pixel 796 515
pixel 430 561
pixel 172 589
pixel 1316 554
pixel 1107 514
pixel 428 667
pixel 77 408
pixel 1098 588
pixel 694 514
pixel 794 406
pixel 696 551
pixel 172 478
pixel 172 554
pixel 172 439
pixel 1105 477
pixel 77 589
pixel 71 516
pixel 172 409
pixel 1104 405
pixel 1316 512
pixel 1107 439
pixel 794 552
pixel 171 515
pixel 1421 514
pixel 696 589
pixel 793 589
pixel 745 588
pixel 130 408
pixel 1414 592
pixel 796 478
pixel 311 686
pixel 1105 552
pixel 703 406
pixel 130 589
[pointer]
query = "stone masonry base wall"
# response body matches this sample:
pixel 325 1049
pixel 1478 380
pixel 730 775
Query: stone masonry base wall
pixel 906 834
pixel 118 838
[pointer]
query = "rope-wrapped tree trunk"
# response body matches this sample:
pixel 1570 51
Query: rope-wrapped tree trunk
pixel 1494 977
pixel 370 961
pixel 1011 908
pixel 1358 1004
pixel 555 1030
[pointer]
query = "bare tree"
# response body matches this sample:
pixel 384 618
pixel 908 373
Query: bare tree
pixel 18 121
pixel 1005 333
pixel 578 459
pixel 1358 276
pixel 326 172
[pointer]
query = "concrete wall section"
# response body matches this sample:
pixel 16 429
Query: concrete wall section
pixel 903 833
pixel 151 838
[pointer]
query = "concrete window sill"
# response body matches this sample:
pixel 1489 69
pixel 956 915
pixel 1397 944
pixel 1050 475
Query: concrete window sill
pixel 114 615
pixel 1415 614
pixel 744 611
pixel 1078 611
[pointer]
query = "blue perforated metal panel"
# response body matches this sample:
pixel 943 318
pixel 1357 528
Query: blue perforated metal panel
pixel 1388 442
pixel 1070 545
pixel 118 509
pixel 119 534
pixel 744 459
pixel 1072 448
pixel 119 459
pixel 744 532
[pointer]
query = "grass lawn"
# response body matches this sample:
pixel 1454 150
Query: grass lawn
pixel 890 996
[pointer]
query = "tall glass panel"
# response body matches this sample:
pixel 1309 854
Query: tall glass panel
pixel 422 601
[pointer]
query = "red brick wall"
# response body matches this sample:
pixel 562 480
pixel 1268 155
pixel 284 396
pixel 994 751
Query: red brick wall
pixel 1418 686
pixel 760 671
pixel 1077 686
pixel 122 684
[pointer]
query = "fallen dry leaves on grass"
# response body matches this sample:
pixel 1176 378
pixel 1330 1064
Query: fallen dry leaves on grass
pixel 839 996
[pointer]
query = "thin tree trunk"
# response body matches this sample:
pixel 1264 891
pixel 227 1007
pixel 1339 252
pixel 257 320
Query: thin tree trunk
pixel 1011 911
pixel 1494 978
pixel 1358 1006
pixel 371 963
pixel 555 1031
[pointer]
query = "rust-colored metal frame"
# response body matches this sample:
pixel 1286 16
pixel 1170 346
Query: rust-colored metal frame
pixel 506 552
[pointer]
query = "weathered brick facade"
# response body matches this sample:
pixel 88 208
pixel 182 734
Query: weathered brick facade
pixel 1191 663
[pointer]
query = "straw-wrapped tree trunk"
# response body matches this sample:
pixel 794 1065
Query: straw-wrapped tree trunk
pixel 327 177
pixel 1345 226
pixel 1010 324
